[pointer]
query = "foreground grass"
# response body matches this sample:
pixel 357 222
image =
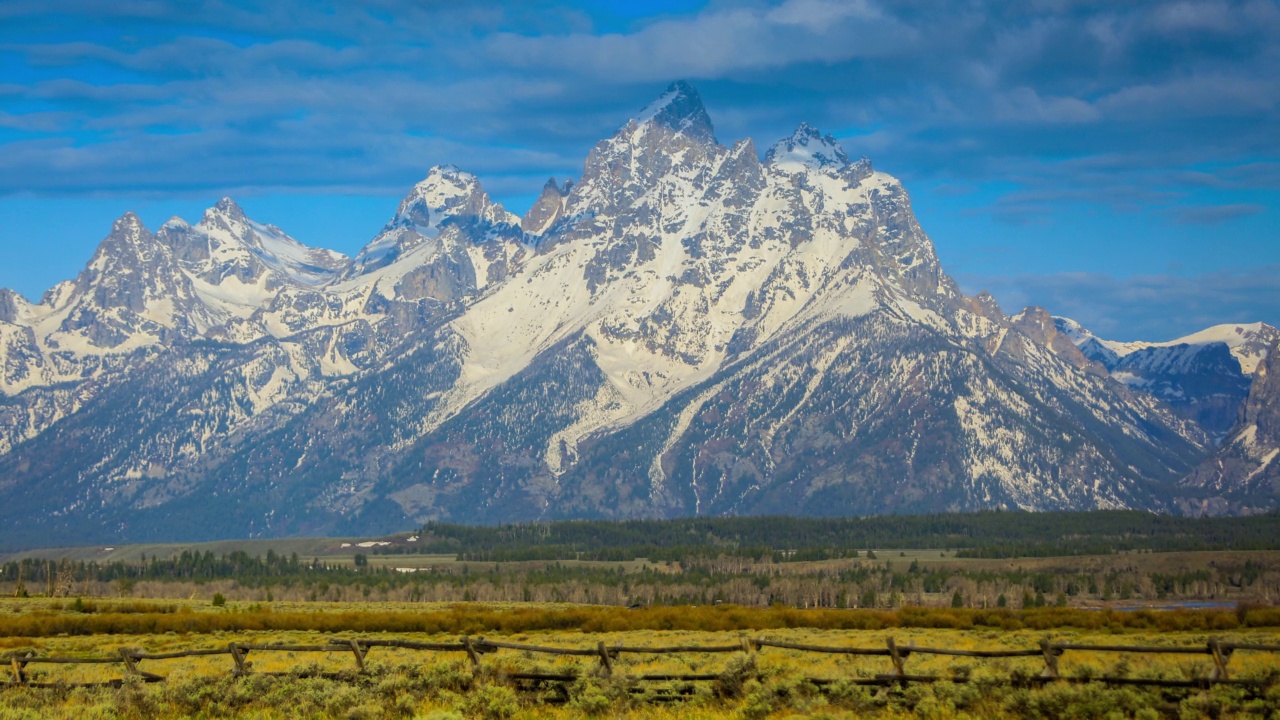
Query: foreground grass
pixel 447 690
pixel 771 683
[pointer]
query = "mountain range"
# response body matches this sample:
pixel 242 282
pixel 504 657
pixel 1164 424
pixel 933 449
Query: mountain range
pixel 688 328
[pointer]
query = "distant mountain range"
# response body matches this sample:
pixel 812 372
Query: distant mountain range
pixel 686 329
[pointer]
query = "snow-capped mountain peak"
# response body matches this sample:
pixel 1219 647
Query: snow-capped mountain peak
pixel 1248 342
pixel 1076 332
pixel 225 207
pixel 128 222
pixel 230 234
pixel 680 109
pixel 447 197
pixel 447 193
pixel 129 239
pixel 807 148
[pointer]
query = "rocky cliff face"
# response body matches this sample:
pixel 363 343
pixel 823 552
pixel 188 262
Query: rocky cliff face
pixel 1243 475
pixel 547 209
pixel 688 329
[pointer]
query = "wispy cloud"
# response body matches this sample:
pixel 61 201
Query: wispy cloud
pixel 971 86
pixel 718 43
pixel 1216 214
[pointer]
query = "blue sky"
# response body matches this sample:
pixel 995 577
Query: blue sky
pixel 1116 162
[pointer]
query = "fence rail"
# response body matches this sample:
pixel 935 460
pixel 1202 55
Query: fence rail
pixel 1219 651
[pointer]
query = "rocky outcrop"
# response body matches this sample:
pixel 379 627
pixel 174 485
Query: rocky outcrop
pixel 547 209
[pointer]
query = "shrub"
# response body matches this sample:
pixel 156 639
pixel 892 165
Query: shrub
pixel 759 704
pixel 452 676
pixel 732 682
pixel 491 702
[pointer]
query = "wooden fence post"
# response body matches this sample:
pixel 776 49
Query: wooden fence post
pixel 471 652
pixel 606 664
pixel 897 657
pixel 19 670
pixel 130 664
pixel 238 654
pixel 1051 654
pixel 355 650
pixel 750 648
pixel 1221 656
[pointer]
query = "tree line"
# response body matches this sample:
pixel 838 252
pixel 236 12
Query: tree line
pixel 990 534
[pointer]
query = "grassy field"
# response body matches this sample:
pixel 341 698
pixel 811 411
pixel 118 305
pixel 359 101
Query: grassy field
pixel 770 682
pixel 920 597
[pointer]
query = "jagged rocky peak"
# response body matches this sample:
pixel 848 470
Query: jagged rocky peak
pixel 447 193
pixel 226 215
pixel 680 109
pixel 548 208
pixel 132 291
pixel 985 305
pixel 225 208
pixel 671 138
pixel 129 245
pixel 236 245
pixel 447 199
pixel 128 228
pixel 810 149
pixel 807 147
pixel 1036 323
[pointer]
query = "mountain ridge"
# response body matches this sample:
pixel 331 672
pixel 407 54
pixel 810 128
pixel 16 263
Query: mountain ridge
pixel 687 328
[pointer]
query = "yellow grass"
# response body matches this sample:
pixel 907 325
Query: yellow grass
pixel 403 683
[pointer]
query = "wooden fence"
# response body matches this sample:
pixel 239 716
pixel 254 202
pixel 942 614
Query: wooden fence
pixel 1220 652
